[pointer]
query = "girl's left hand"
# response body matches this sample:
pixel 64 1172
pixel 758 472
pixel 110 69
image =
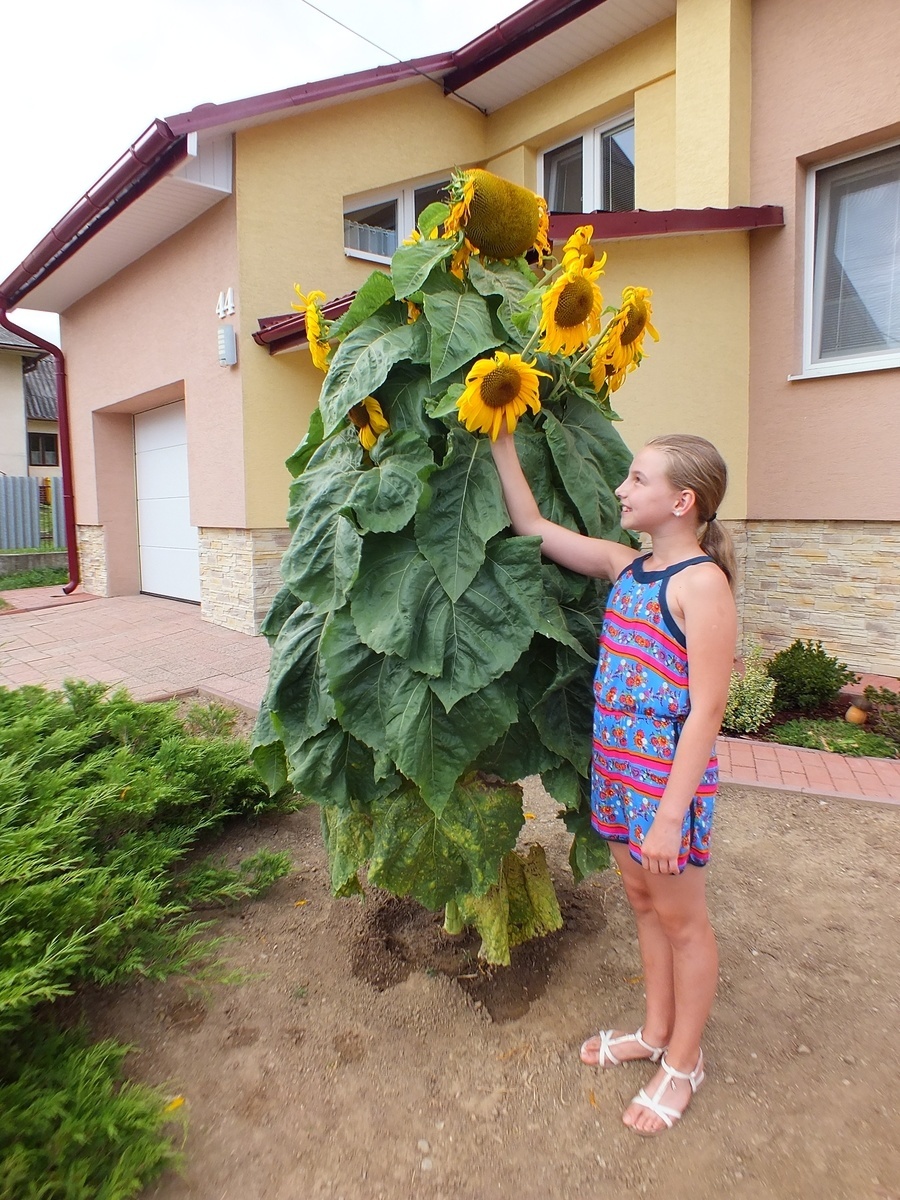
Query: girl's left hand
pixel 661 847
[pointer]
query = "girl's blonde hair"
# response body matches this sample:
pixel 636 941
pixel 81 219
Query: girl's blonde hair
pixel 695 465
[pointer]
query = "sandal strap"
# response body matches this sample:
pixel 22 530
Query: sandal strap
pixel 694 1078
pixel 607 1041
pixel 668 1115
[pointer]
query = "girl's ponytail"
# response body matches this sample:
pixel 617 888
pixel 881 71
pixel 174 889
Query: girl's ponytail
pixel 717 542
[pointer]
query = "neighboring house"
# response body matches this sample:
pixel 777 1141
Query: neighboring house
pixel 638 108
pixel 29 438
pixel 41 424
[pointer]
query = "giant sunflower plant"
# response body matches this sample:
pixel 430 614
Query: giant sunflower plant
pixel 424 658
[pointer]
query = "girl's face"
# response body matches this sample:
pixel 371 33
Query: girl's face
pixel 647 497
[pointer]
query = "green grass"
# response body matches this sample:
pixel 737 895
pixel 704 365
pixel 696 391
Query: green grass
pixel 39 577
pixel 837 737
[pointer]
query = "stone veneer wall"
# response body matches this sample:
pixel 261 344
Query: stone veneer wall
pixel 91 541
pixel 837 582
pixel 239 575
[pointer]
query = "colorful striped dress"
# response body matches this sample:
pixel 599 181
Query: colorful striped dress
pixel 641 700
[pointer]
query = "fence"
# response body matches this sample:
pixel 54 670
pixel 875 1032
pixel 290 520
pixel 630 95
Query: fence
pixel 31 513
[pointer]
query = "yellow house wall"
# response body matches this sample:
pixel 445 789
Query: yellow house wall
pixel 695 379
pixel 712 103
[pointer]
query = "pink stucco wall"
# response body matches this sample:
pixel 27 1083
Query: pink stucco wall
pixel 143 339
pixel 824 84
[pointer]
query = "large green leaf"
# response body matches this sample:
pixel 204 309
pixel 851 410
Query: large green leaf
pixel 466 510
pixel 436 857
pixel 461 328
pixel 484 632
pixel 363 360
pixel 267 751
pixel 411 265
pixel 403 397
pixel 387 705
pixel 564 716
pixel 333 768
pixel 518 753
pixel 400 608
pixel 282 606
pixel 391 588
pixel 537 463
pixel 589 456
pixel 589 852
pixel 315 436
pixel 503 280
pixel 374 294
pixel 347 834
pixel 298 692
pixel 322 559
pixel 385 498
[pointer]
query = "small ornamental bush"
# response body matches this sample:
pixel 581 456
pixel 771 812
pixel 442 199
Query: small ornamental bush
pixel 837 737
pixel 750 696
pixel 885 713
pixel 806 677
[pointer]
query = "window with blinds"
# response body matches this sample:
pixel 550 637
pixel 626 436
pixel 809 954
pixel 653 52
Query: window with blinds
pixel 856 270
pixel 593 172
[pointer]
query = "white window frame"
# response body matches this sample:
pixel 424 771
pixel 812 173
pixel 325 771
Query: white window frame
pixel 591 159
pixel 853 364
pixel 404 195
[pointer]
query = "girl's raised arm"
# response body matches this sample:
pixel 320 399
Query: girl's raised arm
pixel 589 556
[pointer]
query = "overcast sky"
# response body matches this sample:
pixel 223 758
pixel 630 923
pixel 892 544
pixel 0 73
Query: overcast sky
pixel 82 81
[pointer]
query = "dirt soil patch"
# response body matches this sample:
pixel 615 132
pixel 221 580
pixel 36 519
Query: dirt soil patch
pixel 372 1056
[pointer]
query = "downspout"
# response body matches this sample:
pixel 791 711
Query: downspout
pixel 65 449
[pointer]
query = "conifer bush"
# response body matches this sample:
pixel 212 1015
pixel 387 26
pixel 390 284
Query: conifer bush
pixel 101 798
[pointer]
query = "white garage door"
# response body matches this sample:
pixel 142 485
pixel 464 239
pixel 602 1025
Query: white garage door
pixel 170 559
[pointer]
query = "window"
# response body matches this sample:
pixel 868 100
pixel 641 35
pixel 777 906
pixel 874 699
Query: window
pixel 374 225
pixel 593 172
pixel 43 450
pixel 853 289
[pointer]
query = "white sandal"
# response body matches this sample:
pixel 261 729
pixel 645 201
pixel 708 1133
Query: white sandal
pixel 654 1103
pixel 605 1056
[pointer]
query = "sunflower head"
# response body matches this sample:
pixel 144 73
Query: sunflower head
pixel 316 325
pixel 369 420
pixel 501 219
pixel 620 349
pixel 499 389
pixel 571 308
pixel 578 251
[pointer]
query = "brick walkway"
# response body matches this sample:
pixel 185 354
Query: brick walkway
pixel 157 648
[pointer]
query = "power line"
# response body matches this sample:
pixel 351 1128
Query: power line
pixel 389 53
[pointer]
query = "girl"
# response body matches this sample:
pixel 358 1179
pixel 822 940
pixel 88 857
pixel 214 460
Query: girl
pixel 654 770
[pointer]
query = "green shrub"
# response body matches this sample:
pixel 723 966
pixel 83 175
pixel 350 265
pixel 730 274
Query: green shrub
pixel 837 737
pixel 806 677
pixel 101 799
pixel 750 696
pixel 885 717
pixel 70 1128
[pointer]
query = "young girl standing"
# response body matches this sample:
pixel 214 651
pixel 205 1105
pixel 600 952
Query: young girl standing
pixel 666 653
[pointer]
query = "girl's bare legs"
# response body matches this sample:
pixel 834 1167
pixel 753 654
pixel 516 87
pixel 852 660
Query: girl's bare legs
pixel 681 971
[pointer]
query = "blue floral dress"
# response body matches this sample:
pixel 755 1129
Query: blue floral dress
pixel 641 700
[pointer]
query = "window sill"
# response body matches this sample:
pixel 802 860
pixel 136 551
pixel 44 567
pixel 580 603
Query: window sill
pixel 846 367
pixel 365 256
